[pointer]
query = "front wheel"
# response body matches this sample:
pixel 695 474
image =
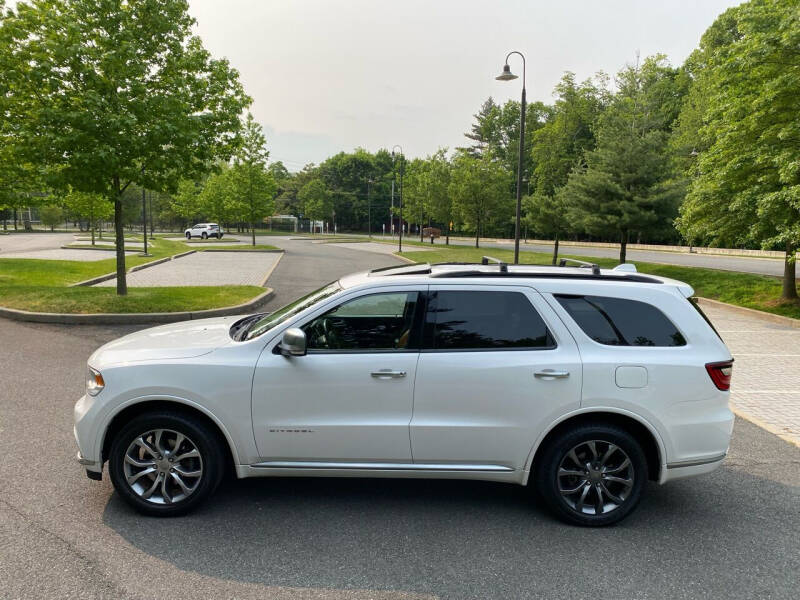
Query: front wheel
pixel 188 235
pixel 204 235
pixel 592 475
pixel 165 464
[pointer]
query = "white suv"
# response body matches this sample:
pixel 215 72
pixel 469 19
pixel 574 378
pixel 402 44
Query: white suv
pixel 204 230
pixel 583 383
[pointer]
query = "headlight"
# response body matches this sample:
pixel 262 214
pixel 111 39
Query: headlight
pixel 94 381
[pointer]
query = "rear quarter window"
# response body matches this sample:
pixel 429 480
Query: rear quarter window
pixel 621 322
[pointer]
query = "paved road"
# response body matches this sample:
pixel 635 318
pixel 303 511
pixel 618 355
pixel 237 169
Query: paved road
pixel 743 264
pixel 762 266
pixel 732 534
pixel 307 266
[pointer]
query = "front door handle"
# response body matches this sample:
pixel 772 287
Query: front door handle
pixel 551 374
pixel 388 374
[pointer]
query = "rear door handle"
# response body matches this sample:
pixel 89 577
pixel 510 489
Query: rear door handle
pixel 388 374
pixel 551 374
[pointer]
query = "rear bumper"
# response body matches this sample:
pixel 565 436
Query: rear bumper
pixel 692 468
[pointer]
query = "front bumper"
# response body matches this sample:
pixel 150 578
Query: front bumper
pixel 85 415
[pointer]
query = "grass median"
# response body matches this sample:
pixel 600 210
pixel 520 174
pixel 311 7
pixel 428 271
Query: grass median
pixel 760 292
pixel 43 286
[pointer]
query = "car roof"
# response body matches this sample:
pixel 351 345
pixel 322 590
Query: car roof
pixel 499 272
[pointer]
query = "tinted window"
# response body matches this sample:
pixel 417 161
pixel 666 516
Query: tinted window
pixel 374 322
pixel 484 320
pixel 621 322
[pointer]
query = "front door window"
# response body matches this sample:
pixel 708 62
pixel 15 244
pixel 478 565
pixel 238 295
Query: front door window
pixel 378 322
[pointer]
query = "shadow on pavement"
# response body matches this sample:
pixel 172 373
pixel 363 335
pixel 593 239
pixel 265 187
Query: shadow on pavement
pixel 483 540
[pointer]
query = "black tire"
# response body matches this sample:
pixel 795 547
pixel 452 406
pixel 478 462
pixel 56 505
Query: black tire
pixel 211 461
pixel 219 236
pixel 188 235
pixel 583 439
pixel 204 235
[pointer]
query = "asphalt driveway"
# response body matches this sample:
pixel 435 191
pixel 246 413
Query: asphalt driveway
pixel 732 534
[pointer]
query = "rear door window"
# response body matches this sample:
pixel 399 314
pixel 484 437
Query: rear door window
pixel 484 320
pixel 621 322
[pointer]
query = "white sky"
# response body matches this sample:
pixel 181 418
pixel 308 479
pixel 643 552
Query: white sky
pixel 331 75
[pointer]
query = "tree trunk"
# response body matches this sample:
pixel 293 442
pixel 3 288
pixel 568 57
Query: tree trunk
pixel 555 249
pixel 477 232
pixel 623 246
pixel 789 274
pixel 252 231
pixel 119 230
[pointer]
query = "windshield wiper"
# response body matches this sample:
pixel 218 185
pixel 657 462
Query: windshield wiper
pixel 240 328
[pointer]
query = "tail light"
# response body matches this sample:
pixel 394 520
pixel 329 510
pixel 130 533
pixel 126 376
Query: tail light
pixel 720 373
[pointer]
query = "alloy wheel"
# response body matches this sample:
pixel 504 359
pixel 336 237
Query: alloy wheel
pixel 163 466
pixel 595 477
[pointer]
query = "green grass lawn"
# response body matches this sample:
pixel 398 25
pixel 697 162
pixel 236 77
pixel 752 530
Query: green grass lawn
pixel 138 300
pixel 41 285
pixel 760 292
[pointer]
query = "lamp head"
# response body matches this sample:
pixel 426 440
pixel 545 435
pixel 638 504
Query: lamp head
pixel 506 75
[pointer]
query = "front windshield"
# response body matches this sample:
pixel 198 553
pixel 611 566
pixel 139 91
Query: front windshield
pixel 269 321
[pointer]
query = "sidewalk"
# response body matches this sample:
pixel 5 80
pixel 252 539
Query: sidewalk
pixel 205 268
pixel 766 374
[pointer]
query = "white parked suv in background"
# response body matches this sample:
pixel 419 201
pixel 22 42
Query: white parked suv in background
pixel 579 382
pixel 204 230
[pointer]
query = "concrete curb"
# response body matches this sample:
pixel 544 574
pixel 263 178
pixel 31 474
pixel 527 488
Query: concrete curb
pixel 764 425
pixel 750 312
pixel 404 259
pixel 135 318
pixel 90 247
pixel 269 273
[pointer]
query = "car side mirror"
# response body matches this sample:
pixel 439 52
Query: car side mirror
pixel 293 342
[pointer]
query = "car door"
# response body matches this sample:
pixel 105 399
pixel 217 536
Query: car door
pixel 349 399
pixel 497 366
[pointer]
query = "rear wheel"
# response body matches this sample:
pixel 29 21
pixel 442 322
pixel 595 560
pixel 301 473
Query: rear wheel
pixel 204 235
pixel 592 475
pixel 165 464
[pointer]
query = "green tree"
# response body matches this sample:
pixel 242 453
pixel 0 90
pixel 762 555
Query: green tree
pixel 316 200
pixel 217 200
pixel 50 215
pixel 187 201
pixel 113 93
pixel 425 190
pixel 253 186
pixel 746 187
pixel 479 190
pixel 547 215
pixel 89 206
pixel 626 185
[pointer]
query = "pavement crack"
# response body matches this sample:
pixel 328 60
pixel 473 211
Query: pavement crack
pixel 106 586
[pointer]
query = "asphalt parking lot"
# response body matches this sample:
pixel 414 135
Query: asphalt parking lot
pixel 731 534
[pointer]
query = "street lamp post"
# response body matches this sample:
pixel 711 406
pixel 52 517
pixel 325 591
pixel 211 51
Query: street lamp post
pixel 369 209
pixel 150 208
pixel 507 75
pixel 144 218
pixel 402 161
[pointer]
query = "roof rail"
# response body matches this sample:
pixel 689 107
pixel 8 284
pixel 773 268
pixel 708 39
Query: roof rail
pixel 503 266
pixel 415 269
pixel 583 264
